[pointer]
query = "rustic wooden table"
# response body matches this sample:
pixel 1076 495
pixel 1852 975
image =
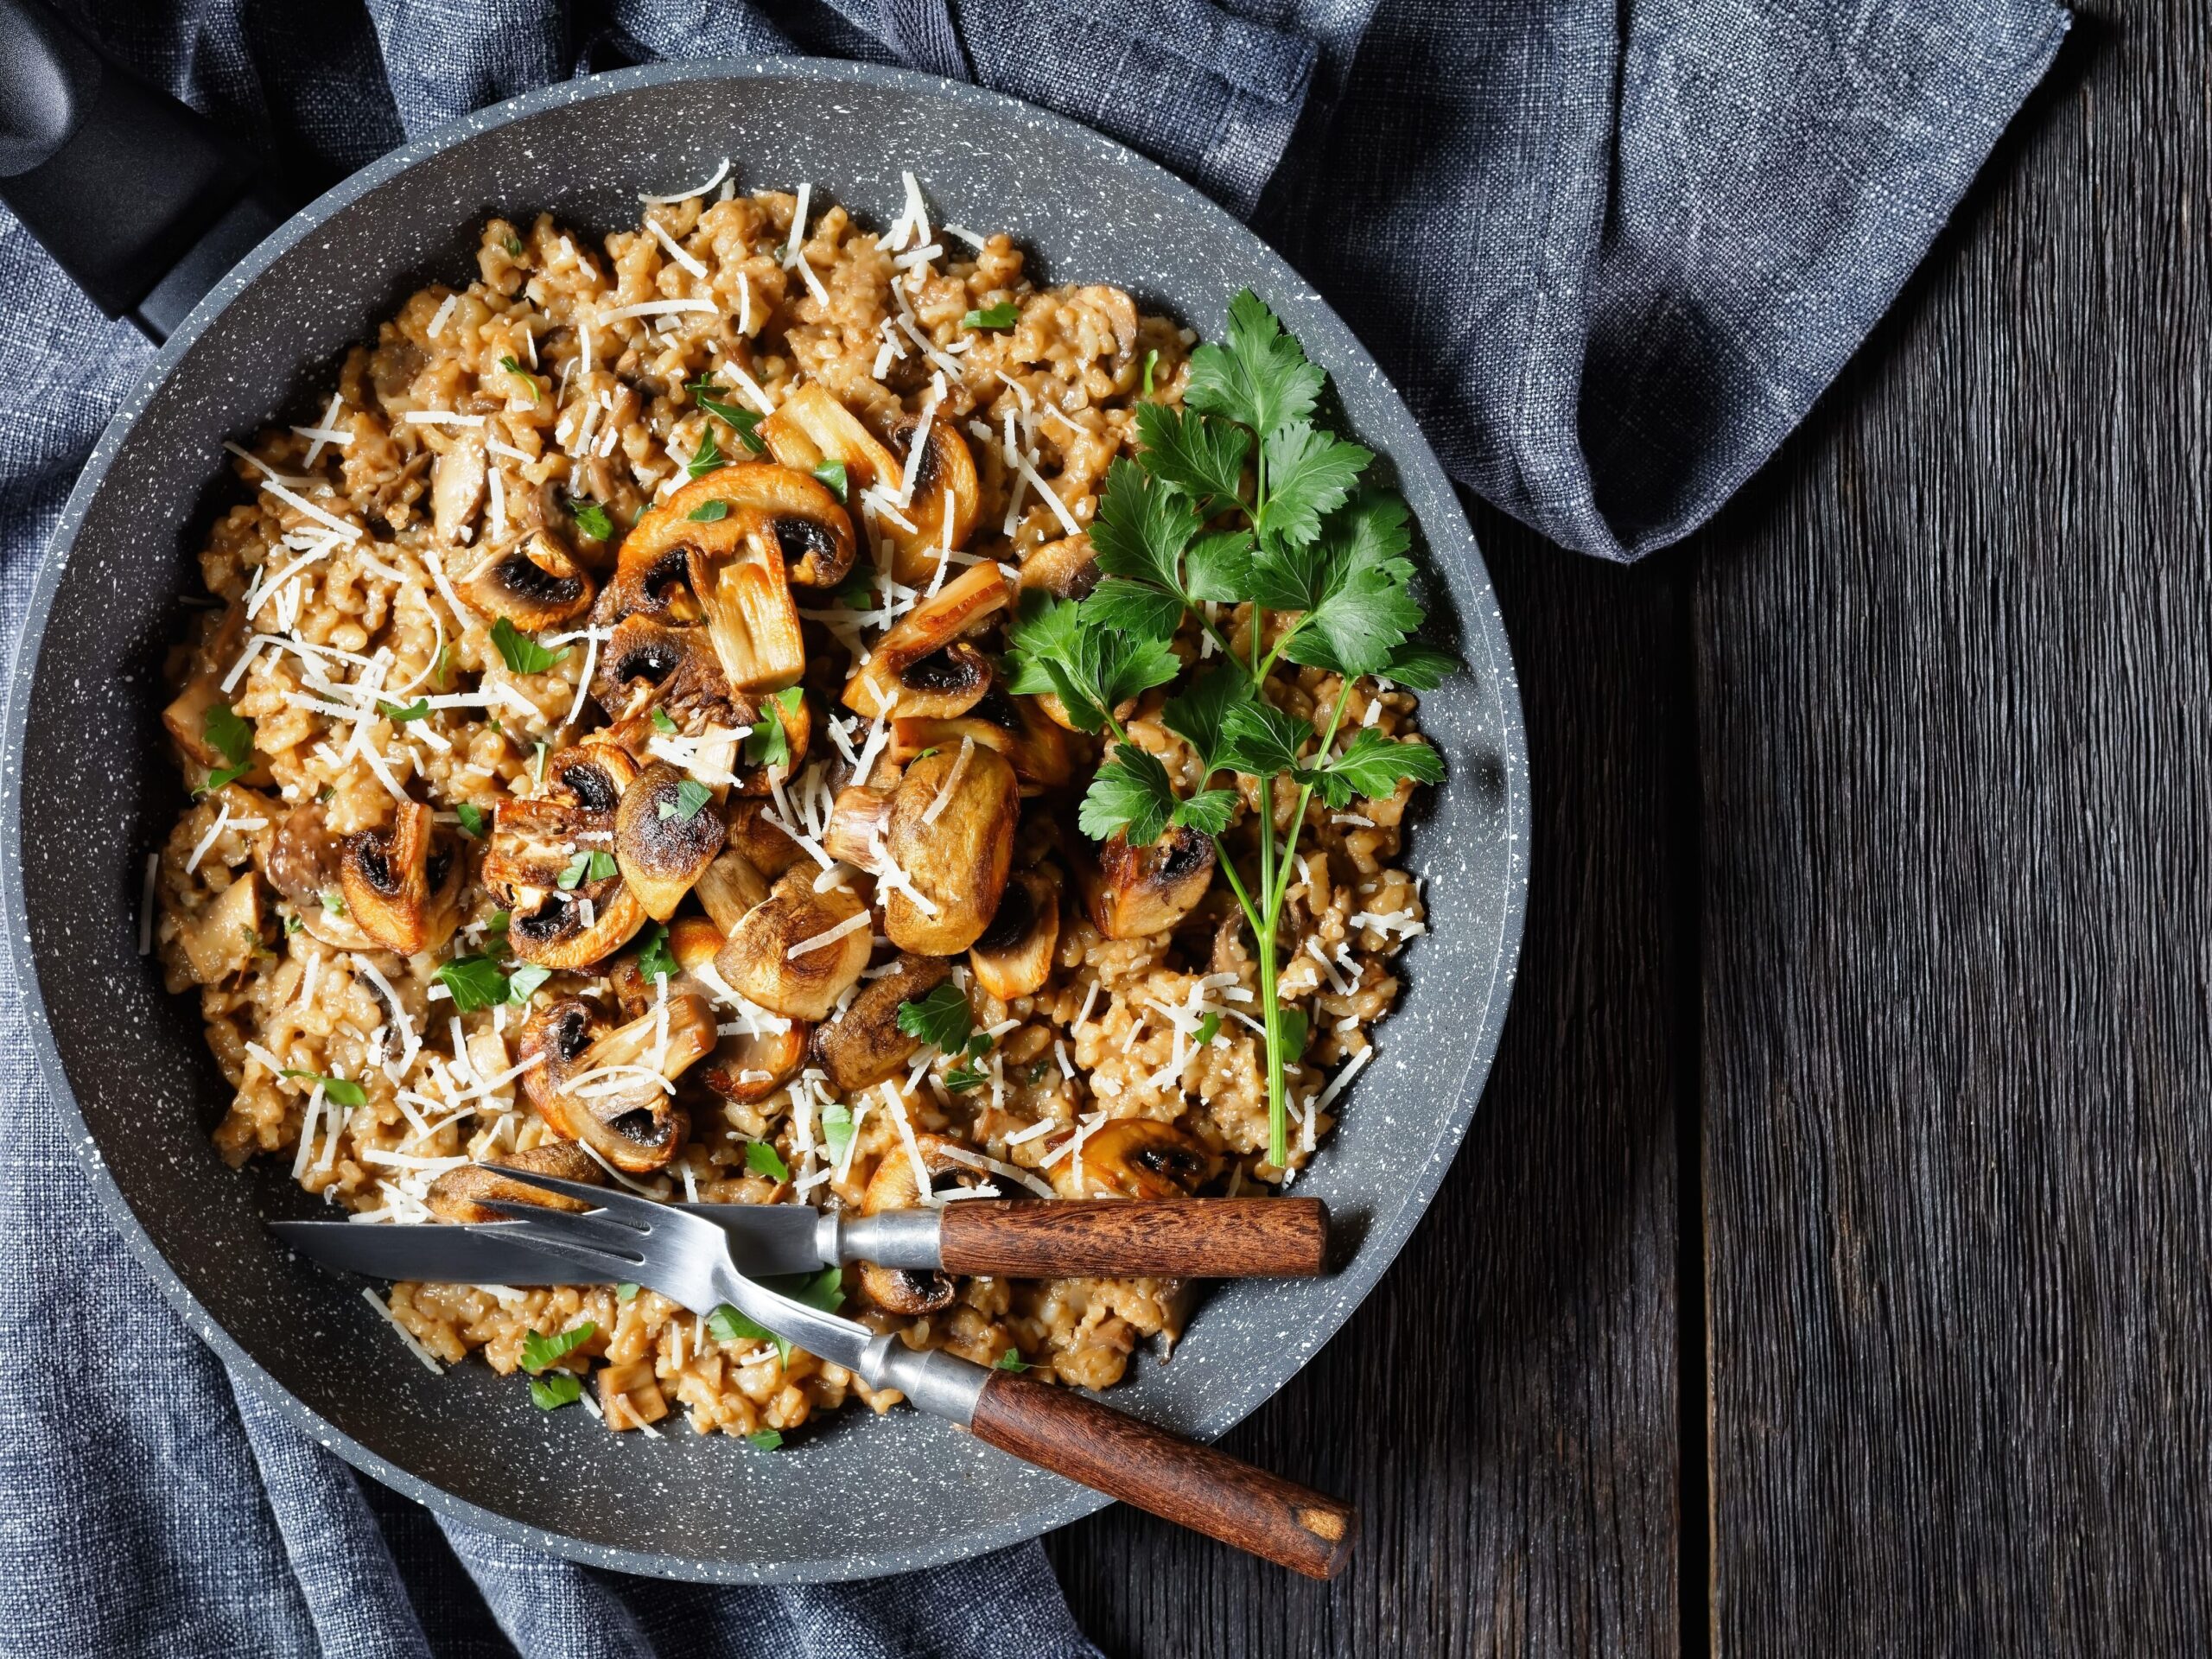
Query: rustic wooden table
pixel 1827 1269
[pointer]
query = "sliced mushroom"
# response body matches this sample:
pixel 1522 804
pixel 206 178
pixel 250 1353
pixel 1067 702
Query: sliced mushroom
pixel 797 720
pixel 944 486
pixel 950 834
pixel 607 1089
pixel 531 580
pixel 1133 892
pixel 944 684
pixel 594 776
pixel 649 665
pixel 811 427
pixel 748 1066
pixel 300 860
pixel 692 940
pixel 1067 569
pixel 457 482
pixel 751 617
pixel 403 884
pixel 664 843
pixel 460 1194
pixel 893 1185
pixel 1136 1158
pixel 1035 747
pixel 859 819
pixel 536 840
pixel 186 716
pixel 797 951
pixel 814 533
pixel 569 930
pixel 764 842
pixel 223 939
pixel 729 886
pixel 962 605
pixel 1013 958
pixel 863 1046
pixel 649 581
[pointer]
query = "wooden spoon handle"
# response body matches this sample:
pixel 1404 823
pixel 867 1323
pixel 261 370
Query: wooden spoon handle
pixel 1188 1238
pixel 1180 1480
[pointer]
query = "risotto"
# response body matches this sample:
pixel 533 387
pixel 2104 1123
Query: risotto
pixel 613 752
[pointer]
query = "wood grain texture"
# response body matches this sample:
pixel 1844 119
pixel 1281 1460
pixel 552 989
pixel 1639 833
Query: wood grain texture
pixel 1954 656
pixel 1501 1409
pixel 1193 1238
pixel 1193 1485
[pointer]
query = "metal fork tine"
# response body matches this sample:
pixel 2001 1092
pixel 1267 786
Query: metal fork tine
pixel 606 1233
pixel 627 1206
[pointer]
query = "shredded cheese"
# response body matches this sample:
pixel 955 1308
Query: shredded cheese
pixel 827 937
pixel 951 780
pixel 721 173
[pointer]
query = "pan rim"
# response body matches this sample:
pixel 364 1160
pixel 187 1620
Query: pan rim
pixel 1485 638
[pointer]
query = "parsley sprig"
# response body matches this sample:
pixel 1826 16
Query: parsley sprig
pixel 1239 497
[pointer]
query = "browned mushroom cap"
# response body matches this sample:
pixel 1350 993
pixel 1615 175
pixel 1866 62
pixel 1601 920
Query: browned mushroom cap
pixel 571 929
pixel 1034 746
pixel 650 665
pixel 962 605
pixel 663 842
pixel 301 860
pixel 752 618
pixel 1136 1158
pixel 894 1187
pixel 944 684
pixel 811 427
pixel 813 532
pixel 859 820
pixel 692 940
pixel 746 1065
pixel 532 581
pixel 944 485
pixel 1013 958
pixel 1131 892
pixel 729 886
pixel 796 952
pixel 863 1046
pixel 764 842
pixel 951 835
pixel 460 1194
pixel 1067 569
pixel 534 841
pixel 403 884
pixel 649 581
pixel 607 1090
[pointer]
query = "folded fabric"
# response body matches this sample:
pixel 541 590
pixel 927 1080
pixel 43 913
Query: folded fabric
pixel 1610 254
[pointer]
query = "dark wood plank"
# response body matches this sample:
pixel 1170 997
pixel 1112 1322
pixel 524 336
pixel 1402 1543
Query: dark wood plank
pixel 1503 1410
pixel 1954 654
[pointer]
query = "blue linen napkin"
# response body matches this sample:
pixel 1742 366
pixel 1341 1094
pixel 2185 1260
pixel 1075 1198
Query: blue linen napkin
pixel 1610 252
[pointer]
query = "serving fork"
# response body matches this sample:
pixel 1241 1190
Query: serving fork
pixel 688 1258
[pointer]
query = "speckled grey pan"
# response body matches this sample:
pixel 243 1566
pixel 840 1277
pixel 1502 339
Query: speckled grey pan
pixel 137 1092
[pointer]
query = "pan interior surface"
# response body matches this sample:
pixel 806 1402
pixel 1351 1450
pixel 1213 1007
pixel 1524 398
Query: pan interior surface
pixel 126 1064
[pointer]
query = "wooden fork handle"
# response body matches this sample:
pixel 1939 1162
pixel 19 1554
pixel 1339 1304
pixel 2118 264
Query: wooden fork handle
pixel 1186 1238
pixel 1180 1480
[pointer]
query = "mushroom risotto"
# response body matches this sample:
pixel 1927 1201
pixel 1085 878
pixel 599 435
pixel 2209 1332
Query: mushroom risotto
pixel 759 710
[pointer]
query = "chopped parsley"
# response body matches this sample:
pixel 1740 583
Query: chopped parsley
pixel 707 457
pixel 746 423
pixel 656 960
pixel 292 923
pixel 707 512
pixel 625 1293
pixel 591 518
pixel 824 1290
pixel 514 245
pixel 521 374
pixel 560 1388
pixel 521 653
pixel 691 799
pixel 538 762
pixel 473 983
pixel 1004 314
pixel 832 472
pixel 763 1160
pixel 859 591
pixel 340 1091
pixel 472 818
pixel 524 981
pixel 1209 1028
pixel 539 1351
pixel 441 665
pixel 334 904
pixel 767 1439
pixel 1010 1361
pixel 837 1131
pixel 591 865
pixel 663 723
pixel 940 1019
pixel 418 709
pixel 1239 497
pixel 1151 362
pixel 231 736
pixel 768 744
